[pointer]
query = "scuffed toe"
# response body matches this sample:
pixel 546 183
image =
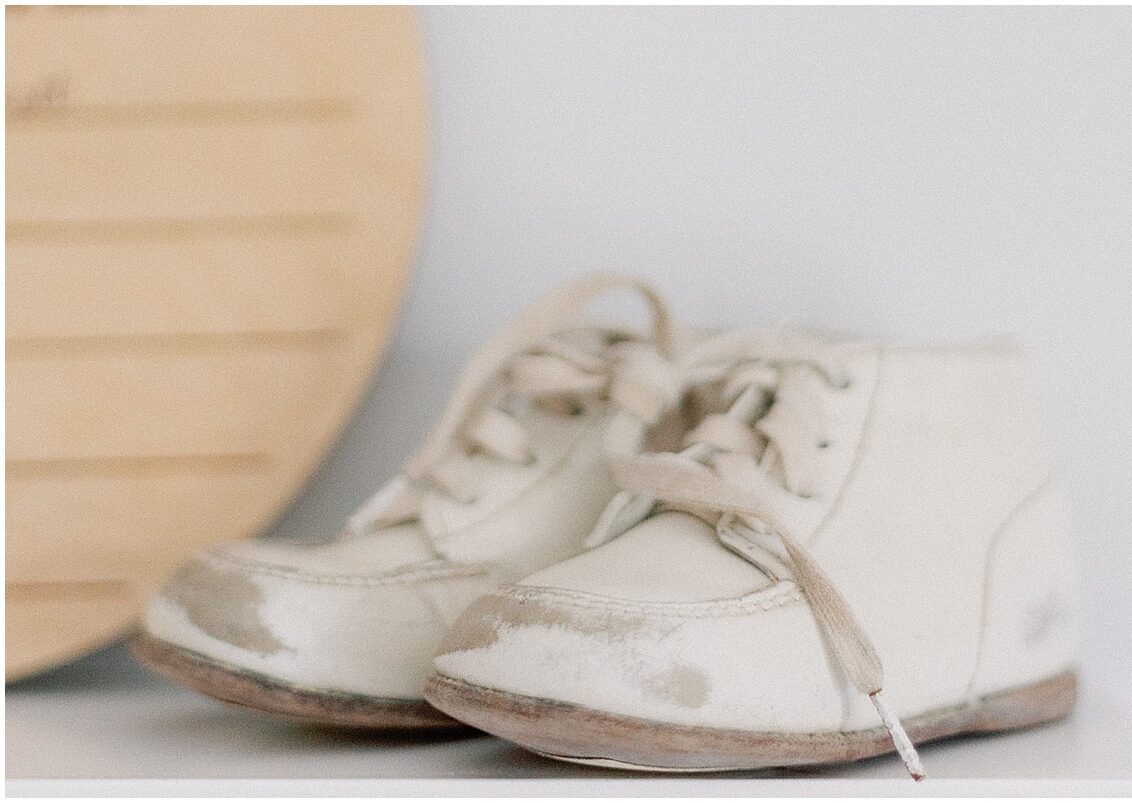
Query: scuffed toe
pixel 371 634
pixel 701 664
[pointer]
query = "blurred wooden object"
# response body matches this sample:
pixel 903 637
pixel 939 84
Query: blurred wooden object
pixel 211 214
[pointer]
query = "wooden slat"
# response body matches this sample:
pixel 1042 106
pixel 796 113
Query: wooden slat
pixel 229 54
pixel 201 400
pixel 178 172
pixel 190 113
pixel 181 228
pixel 193 284
pixel 137 466
pixel 130 527
pixel 51 622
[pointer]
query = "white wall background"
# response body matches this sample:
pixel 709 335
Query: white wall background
pixel 929 173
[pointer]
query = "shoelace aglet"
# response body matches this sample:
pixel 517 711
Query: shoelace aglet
pixel 899 736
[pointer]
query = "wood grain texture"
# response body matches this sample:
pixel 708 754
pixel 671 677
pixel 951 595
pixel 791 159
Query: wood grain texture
pixel 210 219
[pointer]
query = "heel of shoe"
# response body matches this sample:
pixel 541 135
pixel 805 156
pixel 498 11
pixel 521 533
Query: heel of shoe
pixel 1038 703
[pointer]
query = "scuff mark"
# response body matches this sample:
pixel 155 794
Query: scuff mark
pixel 225 604
pixel 481 625
pixel 635 638
pixel 682 685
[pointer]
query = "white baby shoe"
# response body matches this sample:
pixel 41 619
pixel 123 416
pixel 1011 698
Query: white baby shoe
pixel 839 505
pixel 511 480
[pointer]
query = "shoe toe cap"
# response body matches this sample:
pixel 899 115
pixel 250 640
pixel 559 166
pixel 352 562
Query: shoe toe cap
pixel 755 662
pixel 212 598
pixel 364 634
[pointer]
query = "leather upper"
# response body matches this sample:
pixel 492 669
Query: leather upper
pixel 935 517
pixel 365 613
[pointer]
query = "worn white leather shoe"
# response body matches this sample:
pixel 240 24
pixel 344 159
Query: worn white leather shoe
pixel 512 479
pixel 842 506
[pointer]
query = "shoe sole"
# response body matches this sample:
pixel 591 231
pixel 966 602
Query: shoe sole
pixel 573 733
pixel 252 690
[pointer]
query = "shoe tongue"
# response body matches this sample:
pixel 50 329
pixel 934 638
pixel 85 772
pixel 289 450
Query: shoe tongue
pixel 551 435
pixel 670 557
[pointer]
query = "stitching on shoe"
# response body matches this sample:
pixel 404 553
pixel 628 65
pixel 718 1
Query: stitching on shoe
pixel 427 570
pixel 783 593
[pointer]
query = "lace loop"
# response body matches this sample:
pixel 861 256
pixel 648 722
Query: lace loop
pixel 530 357
pixel 550 375
pixel 538 322
pixel 499 435
pixel 724 433
pixel 642 382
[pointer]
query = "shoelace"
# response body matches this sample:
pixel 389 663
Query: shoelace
pixel 725 463
pixel 530 358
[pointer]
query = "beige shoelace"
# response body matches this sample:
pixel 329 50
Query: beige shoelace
pixel 769 381
pixel 530 358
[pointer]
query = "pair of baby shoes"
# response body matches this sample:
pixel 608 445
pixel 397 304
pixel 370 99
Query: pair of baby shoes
pixel 671 550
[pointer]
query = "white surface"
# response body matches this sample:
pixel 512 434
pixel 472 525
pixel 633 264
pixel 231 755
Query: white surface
pixel 108 719
pixel 920 172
